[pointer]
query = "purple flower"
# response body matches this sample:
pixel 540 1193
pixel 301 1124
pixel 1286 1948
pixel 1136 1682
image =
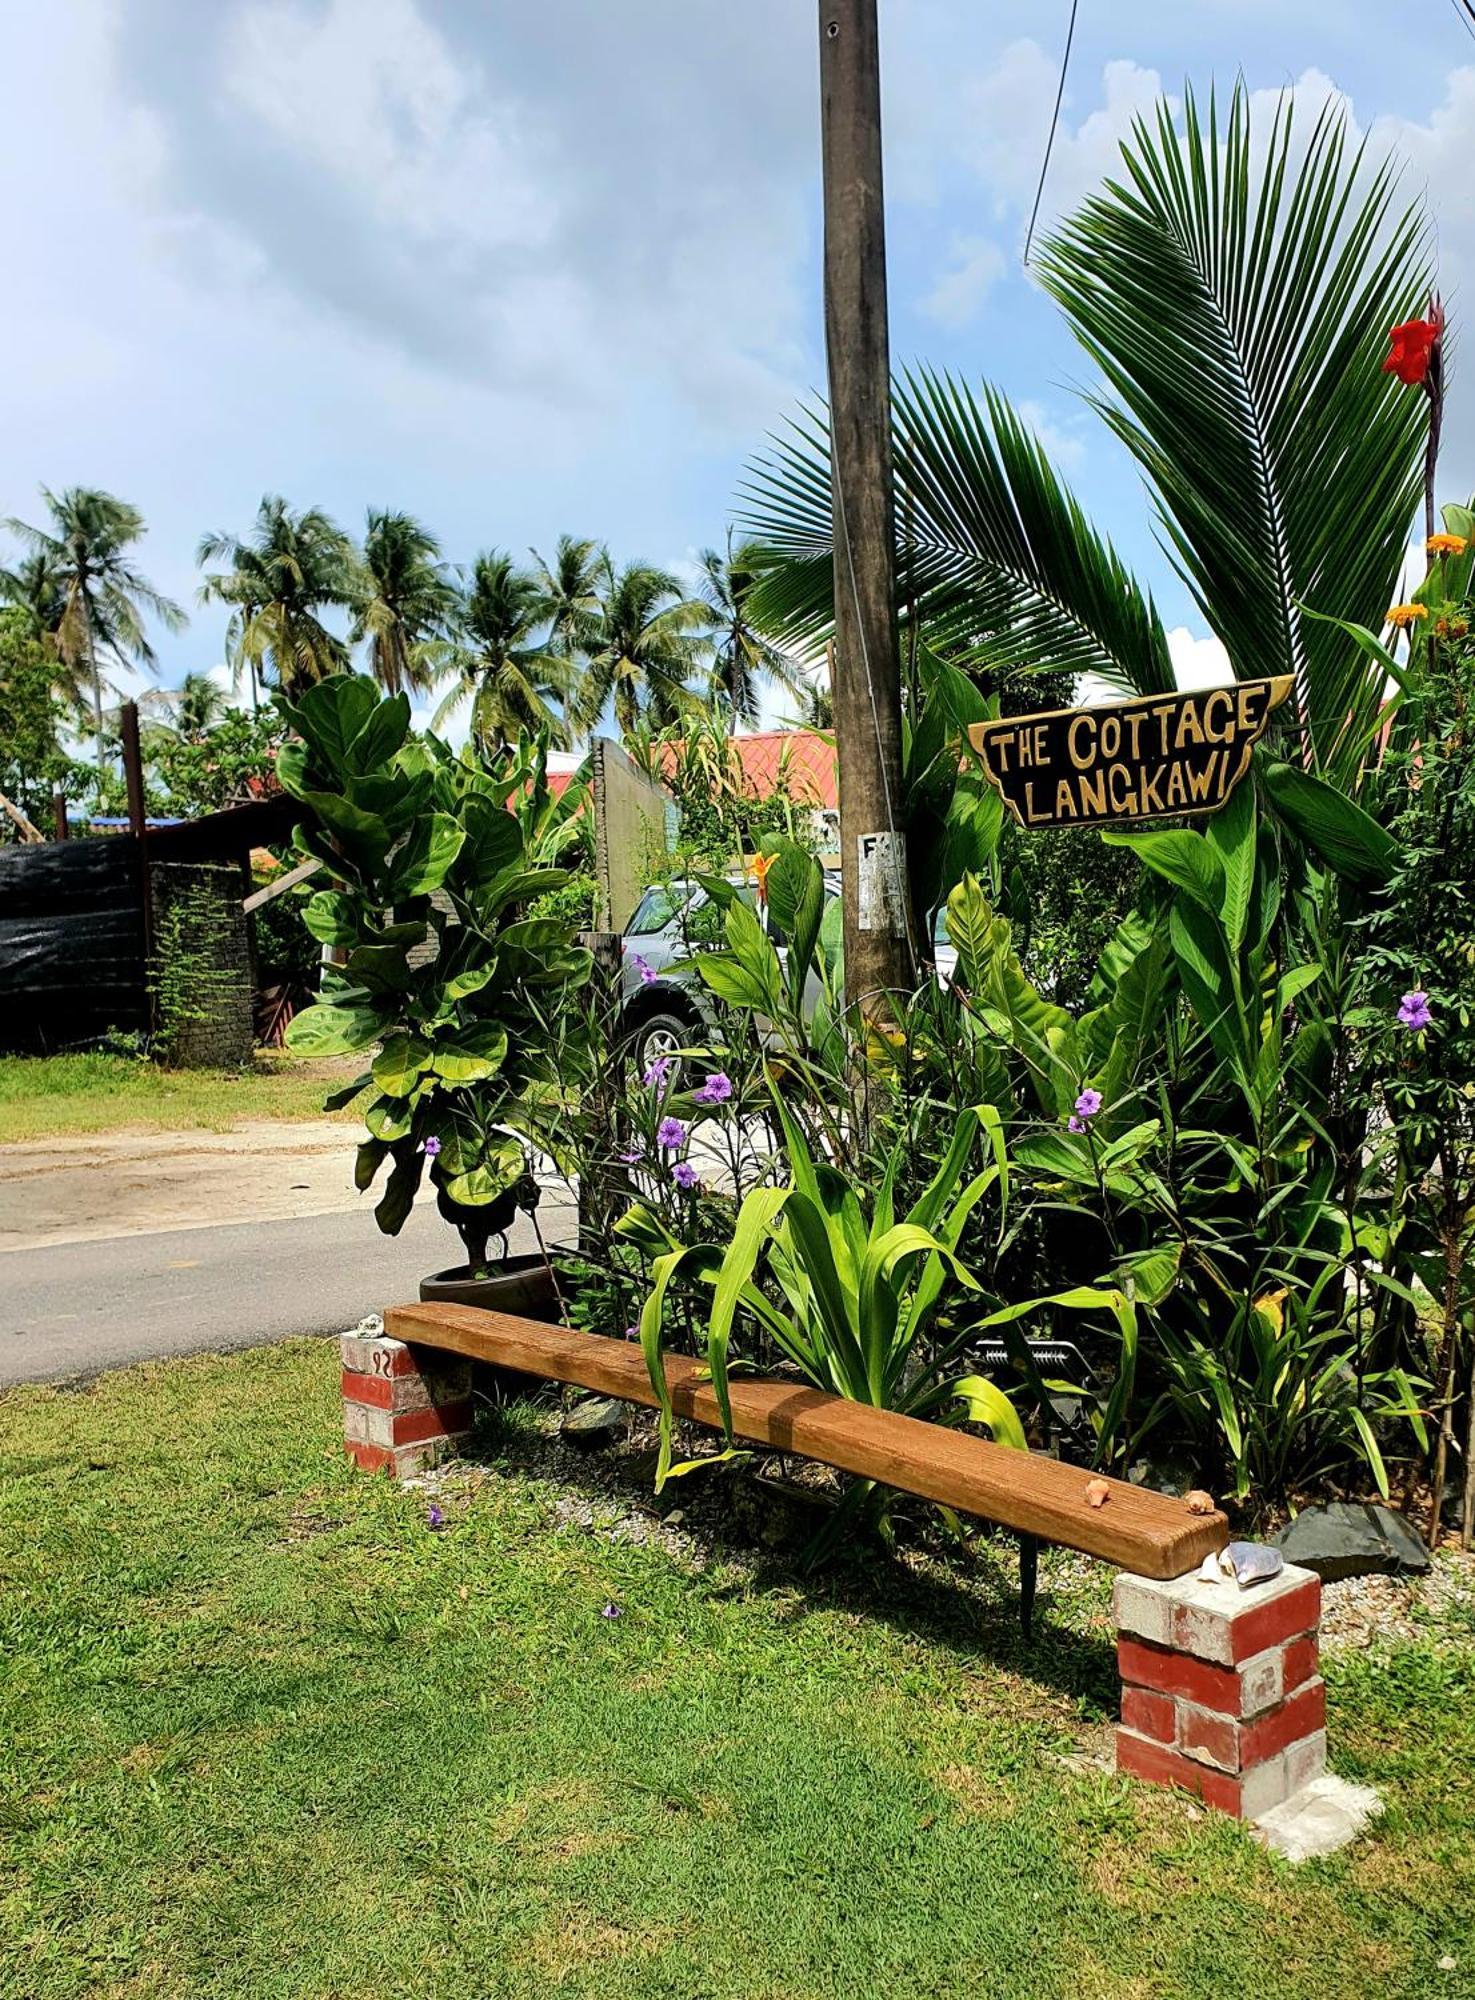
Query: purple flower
pixel 716 1090
pixel 1074 1124
pixel 643 967
pixel 670 1134
pixel 1413 1010
pixel 685 1175
pixel 431 1147
pixel 629 1159
pixel 1088 1103
pixel 632 1333
pixel 434 1517
pixel 657 1071
pixel 611 1611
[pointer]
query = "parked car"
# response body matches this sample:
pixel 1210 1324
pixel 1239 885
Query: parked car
pixel 665 1003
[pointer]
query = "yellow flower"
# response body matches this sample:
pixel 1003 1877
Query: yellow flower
pixel 1404 615
pixel 1446 545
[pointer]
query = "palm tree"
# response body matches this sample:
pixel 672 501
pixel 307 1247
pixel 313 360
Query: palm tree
pixel 741 655
pixel 516 685
pixel 650 644
pixel 35 588
pixel 571 586
pixel 104 598
pixel 197 704
pixel 407 604
pixel 290 569
pixel 1236 298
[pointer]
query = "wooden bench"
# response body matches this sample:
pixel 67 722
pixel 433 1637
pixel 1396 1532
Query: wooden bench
pixel 1140 1530
pixel 1221 1689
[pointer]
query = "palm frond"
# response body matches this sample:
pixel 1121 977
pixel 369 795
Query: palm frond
pixel 995 558
pixel 1236 294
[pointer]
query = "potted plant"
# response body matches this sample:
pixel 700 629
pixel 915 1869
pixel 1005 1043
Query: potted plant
pixel 438 971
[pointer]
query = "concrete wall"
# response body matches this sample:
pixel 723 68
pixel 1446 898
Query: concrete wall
pixel 633 825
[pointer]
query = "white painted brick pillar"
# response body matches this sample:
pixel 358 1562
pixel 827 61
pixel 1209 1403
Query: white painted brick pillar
pixel 404 1407
pixel 1221 1693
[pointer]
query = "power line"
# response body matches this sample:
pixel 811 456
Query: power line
pixel 1465 13
pixel 1070 35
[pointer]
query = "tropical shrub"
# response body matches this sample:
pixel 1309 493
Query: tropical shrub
pixel 859 1306
pixel 441 974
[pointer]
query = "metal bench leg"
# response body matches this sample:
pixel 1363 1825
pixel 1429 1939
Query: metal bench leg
pixel 1029 1572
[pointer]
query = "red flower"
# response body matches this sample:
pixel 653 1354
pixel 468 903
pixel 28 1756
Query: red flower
pixel 1411 350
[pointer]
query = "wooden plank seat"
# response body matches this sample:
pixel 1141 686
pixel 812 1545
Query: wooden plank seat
pixel 1145 1532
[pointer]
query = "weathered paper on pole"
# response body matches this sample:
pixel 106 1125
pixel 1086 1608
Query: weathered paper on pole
pixel 1160 756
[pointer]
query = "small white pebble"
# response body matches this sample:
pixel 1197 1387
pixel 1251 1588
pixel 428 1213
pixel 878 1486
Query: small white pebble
pixel 1448 1964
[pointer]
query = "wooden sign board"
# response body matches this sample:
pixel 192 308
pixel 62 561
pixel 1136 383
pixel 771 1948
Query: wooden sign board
pixel 1163 756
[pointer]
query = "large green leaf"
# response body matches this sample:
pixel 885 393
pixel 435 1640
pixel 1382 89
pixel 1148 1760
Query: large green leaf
pixel 401 1062
pixel 381 735
pixel 326 1030
pixel 796 902
pixel 471 1055
pixel 330 714
pixel 1236 291
pixel 1185 859
pixel 426 858
pixel 1336 829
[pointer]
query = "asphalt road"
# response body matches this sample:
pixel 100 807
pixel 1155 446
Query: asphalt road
pixel 79 1308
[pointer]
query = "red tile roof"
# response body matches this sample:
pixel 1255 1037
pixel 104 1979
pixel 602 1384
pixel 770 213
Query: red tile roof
pixel 807 758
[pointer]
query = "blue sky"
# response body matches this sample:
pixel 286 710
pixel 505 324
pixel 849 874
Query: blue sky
pixel 526 269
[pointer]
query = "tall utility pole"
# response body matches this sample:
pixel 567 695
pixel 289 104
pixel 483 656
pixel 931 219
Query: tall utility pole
pixel 879 954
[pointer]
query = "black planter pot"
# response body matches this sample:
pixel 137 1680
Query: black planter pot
pixel 522 1286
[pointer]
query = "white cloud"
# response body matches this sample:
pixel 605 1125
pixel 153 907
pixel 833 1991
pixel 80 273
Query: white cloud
pixel 367 92
pixel 1003 119
pixel 977 266
pixel 1064 444
pixel 1198 662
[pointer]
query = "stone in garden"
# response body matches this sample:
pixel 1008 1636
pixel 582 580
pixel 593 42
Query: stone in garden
pixel 596 1422
pixel 1318 1819
pixel 1353 1538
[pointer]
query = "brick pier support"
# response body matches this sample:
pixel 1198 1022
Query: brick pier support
pixel 404 1408
pixel 1221 1693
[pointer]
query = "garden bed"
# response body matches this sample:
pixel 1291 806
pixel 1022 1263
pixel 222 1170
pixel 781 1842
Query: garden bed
pixel 269 1733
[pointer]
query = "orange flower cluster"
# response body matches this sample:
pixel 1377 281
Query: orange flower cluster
pixel 1404 615
pixel 1446 545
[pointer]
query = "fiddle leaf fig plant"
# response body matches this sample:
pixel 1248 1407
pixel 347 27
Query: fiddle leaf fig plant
pixel 439 975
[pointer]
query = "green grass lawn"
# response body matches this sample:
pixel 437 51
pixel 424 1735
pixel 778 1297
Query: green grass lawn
pixel 263 1733
pixel 58 1097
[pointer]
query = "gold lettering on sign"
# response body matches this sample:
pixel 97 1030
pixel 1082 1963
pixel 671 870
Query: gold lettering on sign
pixel 1160 756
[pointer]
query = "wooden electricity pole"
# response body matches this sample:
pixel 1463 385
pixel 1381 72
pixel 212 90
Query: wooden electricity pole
pixel 879 955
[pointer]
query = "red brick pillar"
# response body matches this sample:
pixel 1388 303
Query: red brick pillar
pixel 404 1408
pixel 1220 1689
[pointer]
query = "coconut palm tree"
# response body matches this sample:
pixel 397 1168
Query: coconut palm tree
pixel 571 585
pixel 34 587
pixel 408 601
pixel 280 579
pixel 742 657
pixel 196 705
pixel 1236 297
pixel 502 660
pixel 104 599
pixel 652 641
